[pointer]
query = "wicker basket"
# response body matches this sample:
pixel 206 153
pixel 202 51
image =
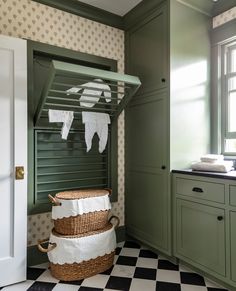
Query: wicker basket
pixel 84 269
pixel 86 222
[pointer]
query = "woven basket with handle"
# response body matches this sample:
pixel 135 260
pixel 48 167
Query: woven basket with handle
pixel 85 269
pixel 86 222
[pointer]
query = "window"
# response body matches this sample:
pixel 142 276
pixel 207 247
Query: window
pixel 228 98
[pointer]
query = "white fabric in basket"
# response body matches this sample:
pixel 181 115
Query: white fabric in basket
pixel 76 250
pixel 80 206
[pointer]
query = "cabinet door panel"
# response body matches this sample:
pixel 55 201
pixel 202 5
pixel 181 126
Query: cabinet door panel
pixel 146 133
pixel 146 182
pixel 148 51
pixel 200 235
pixel 146 216
pixel 233 245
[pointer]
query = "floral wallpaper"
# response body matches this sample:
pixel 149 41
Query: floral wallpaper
pixel 224 17
pixel 38 22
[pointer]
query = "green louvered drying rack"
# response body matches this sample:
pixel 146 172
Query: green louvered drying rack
pixel 63 76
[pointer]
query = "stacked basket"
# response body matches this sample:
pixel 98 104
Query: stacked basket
pixel 83 240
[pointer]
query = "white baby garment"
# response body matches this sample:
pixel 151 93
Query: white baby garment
pixel 101 86
pixel 62 116
pixel 96 123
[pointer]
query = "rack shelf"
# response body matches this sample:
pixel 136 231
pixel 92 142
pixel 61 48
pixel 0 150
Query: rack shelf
pixel 70 87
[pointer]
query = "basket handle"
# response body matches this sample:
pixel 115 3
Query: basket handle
pixel 54 200
pixel 50 247
pixel 117 220
pixel 109 190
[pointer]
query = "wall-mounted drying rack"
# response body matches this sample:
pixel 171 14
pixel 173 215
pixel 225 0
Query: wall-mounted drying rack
pixel 65 76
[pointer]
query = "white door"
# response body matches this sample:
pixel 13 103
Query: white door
pixel 13 152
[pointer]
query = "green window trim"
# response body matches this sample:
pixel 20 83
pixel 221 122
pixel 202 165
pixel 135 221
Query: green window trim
pixel 221 38
pixel 35 50
pixel 227 136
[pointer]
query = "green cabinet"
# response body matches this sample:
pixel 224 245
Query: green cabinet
pixel 200 235
pixel 233 244
pixel 166 121
pixel 204 223
pixel 148 46
pixel 146 180
pixel 147 201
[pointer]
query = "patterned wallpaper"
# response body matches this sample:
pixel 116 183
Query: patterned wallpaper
pixel 31 20
pixel 224 17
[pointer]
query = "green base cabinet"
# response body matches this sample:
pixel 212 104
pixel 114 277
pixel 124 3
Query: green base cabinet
pixel 204 224
pixel 233 244
pixel 200 234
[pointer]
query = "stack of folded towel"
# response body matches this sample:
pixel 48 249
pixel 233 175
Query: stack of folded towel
pixel 213 163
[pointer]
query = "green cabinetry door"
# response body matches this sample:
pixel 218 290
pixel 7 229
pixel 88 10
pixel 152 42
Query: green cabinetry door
pixel 233 245
pixel 200 235
pixel 146 181
pixel 147 196
pixel 147 50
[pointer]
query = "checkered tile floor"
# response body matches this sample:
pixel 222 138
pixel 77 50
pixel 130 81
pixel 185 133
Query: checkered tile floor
pixel 136 269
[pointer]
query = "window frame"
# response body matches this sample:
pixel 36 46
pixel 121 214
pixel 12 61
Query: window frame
pixel 226 74
pixel 221 36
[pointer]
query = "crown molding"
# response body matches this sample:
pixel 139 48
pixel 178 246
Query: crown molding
pixel 86 11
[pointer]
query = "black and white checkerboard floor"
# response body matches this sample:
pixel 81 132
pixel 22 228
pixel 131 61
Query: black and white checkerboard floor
pixel 136 269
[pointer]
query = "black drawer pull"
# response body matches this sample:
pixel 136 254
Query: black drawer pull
pixel 220 218
pixel 163 167
pixel 198 190
pixel 163 80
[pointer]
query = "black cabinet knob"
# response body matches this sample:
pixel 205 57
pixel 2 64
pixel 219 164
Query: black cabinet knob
pixel 163 80
pixel 163 167
pixel 220 218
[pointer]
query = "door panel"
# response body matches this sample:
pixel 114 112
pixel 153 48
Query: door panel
pixel 146 181
pixel 200 235
pixel 147 208
pixel 146 133
pixel 13 128
pixel 148 51
pixel 233 244
pixel 6 153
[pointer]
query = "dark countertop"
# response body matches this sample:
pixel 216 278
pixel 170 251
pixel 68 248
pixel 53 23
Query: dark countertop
pixel 230 175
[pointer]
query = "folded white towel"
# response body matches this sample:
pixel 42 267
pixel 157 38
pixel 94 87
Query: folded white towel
pixel 62 116
pixel 102 88
pixel 96 123
pixel 211 158
pixel 222 166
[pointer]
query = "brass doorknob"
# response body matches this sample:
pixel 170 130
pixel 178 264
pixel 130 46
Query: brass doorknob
pixel 19 173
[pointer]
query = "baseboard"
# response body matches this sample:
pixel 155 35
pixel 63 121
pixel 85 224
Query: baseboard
pixel 120 234
pixel 35 257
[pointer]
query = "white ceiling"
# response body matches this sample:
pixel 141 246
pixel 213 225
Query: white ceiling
pixel 119 7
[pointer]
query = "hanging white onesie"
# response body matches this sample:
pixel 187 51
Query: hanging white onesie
pixel 102 88
pixel 96 123
pixel 62 116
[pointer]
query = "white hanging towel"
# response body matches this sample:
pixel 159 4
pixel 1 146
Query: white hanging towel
pixel 96 123
pixel 102 88
pixel 62 116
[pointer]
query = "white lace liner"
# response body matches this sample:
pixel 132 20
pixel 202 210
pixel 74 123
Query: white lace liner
pixel 76 207
pixel 76 250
